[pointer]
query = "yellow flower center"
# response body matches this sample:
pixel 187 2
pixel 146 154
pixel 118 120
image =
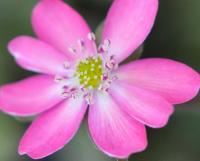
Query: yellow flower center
pixel 90 72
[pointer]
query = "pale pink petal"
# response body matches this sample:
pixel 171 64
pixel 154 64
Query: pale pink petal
pixel 61 26
pixel 113 131
pixel 38 56
pixel 30 96
pixel 127 25
pixel 143 105
pixel 174 81
pixel 53 129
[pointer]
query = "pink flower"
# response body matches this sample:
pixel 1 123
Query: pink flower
pixel 76 76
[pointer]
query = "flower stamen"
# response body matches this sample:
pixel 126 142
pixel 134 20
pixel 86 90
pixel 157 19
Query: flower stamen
pixel 91 36
pixel 66 65
pixel 89 74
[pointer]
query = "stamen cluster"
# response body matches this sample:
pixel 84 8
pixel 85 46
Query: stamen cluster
pixel 91 73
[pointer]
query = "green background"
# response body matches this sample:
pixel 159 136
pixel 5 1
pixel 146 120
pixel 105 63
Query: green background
pixel 176 35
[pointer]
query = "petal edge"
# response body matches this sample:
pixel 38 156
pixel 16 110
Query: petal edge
pixel 174 81
pixel 53 129
pixel 114 132
pixel 127 25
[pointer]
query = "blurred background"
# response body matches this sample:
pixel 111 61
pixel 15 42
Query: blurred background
pixel 176 35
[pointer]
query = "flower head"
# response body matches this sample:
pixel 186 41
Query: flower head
pixel 76 75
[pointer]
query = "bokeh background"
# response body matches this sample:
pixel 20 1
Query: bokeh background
pixel 176 35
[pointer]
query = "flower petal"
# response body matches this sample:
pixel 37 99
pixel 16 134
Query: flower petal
pixel 127 25
pixel 53 129
pixel 30 96
pixel 38 56
pixel 61 26
pixel 113 131
pixel 143 105
pixel 174 81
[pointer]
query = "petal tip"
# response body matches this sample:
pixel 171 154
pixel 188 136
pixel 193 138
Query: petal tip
pixel 21 150
pixel 165 120
pixel 13 45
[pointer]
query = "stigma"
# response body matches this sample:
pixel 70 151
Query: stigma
pixel 90 72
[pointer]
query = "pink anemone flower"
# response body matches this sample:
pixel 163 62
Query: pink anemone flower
pixel 76 75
